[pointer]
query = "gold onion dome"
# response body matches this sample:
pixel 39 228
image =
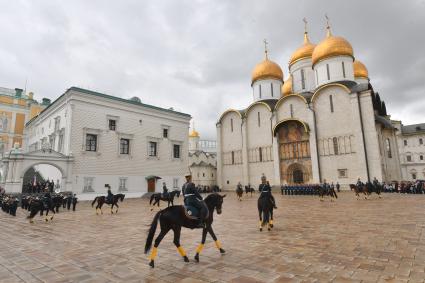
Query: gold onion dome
pixel 332 46
pixel 303 52
pixel 287 86
pixel 267 70
pixel 360 70
pixel 194 134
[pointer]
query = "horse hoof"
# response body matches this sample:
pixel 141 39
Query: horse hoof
pixel 51 218
pixel 47 220
pixel 269 229
pixel 152 264
pixel 222 251
pixel 197 257
pixel 261 229
pixel 271 225
pixel 186 259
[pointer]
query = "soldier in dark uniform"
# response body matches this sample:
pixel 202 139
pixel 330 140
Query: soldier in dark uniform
pixel 110 195
pixel 338 186
pixel 375 183
pixel 164 190
pixel 193 198
pixel 47 199
pixel 266 190
pixel 359 183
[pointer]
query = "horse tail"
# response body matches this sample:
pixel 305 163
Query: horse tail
pixel 152 231
pixel 336 196
pixel 152 197
pixel 95 199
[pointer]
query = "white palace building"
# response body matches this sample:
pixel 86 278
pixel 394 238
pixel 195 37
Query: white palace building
pixel 325 121
pixel 96 139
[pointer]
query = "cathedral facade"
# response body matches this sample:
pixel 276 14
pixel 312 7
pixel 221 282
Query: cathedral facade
pixel 324 122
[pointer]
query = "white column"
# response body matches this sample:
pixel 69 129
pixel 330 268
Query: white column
pixel 219 159
pixel 245 172
pixel 276 159
pixel 314 154
pixel 360 150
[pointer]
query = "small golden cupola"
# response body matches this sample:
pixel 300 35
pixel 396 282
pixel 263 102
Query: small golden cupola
pixel 305 51
pixel 332 46
pixel 267 69
pixel 360 70
pixel 287 86
pixel 194 134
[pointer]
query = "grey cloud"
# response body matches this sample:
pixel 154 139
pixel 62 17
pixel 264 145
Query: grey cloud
pixel 197 56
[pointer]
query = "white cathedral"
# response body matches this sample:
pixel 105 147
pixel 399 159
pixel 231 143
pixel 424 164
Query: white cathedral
pixel 324 122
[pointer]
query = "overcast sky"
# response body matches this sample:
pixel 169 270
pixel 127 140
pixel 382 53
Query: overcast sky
pixel 197 56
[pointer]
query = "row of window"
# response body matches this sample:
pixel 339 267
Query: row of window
pixel 260 90
pixel 409 158
pixel 328 74
pixel 294 150
pixel 92 145
pixel 122 184
pixel 203 174
pixel 421 142
pixel 260 154
pixel 336 145
pixel 232 157
pixel 112 124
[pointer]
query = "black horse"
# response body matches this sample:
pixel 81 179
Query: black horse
pixel 102 200
pixel 239 192
pixel 169 198
pixel 39 205
pixel 176 217
pixel 326 192
pixel 265 212
pixel 9 204
pixel 249 189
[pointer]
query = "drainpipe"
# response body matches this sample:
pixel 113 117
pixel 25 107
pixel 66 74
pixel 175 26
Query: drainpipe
pixel 363 137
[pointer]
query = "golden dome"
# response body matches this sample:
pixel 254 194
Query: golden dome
pixel 194 134
pixel 332 46
pixel 303 52
pixel 360 70
pixel 287 86
pixel 266 70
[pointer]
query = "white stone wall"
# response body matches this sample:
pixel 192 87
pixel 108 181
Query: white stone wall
pixel 343 122
pixel 335 70
pixel 83 113
pixel 309 79
pixel 266 89
pixel 415 150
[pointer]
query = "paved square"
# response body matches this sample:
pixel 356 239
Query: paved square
pixel 378 240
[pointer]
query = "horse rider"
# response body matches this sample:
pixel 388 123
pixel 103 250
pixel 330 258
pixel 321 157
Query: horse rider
pixel 266 190
pixel 47 198
pixel 338 186
pixel 359 183
pixel 164 190
pixel 332 186
pixel 110 196
pixel 239 187
pixel 193 198
pixel 375 182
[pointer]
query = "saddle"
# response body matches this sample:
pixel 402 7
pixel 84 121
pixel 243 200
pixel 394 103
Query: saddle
pixel 191 212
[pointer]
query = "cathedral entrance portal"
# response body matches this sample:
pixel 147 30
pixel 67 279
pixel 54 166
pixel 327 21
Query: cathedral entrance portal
pixel 294 151
pixel 297 176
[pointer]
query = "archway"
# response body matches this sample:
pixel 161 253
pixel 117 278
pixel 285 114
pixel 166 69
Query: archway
pixel 294 151
pixel 39 177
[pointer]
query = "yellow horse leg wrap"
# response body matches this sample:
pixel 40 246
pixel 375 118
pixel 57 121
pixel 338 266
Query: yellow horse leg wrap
pixel 181 251
pixel 199 248
pixel 154 253
pixel 218 244
pixel 260 223
pixel 271 222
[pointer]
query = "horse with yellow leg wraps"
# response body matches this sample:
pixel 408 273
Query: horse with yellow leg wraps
pixel 176 217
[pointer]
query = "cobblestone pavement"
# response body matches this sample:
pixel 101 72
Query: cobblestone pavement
pixel 377 240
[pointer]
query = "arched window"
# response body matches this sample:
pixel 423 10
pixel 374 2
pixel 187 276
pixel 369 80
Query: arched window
pixel 233 157
pixel 260 153
pixel 259 87
pixel 335 142
pixel 291 109
pixel 388 148
pixel 331 103
pixel 343 69
pixel 231 125
pixel 327 72
pixel 302 79
pixel 258 118
pixel 271 86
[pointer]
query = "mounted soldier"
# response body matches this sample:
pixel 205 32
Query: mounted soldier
pixel 359 183
pixel 109 197
pixel 266 190
pixel 47 198
pixel 192 198
pixel 164 190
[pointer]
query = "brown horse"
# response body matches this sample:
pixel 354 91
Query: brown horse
pixel 366 189
pixel 239 193
pixel 102 200
pixel 326 192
